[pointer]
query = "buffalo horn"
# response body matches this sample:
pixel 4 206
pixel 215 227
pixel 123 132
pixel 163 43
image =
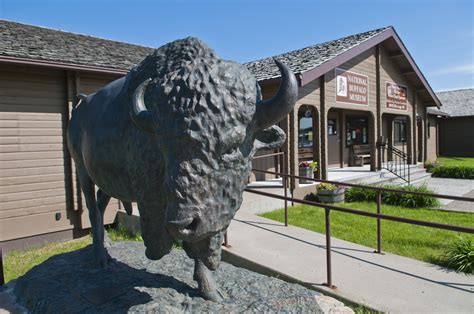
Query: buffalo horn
pixel 272 111
pixel 139 113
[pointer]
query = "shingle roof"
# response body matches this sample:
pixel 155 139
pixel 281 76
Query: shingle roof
pixel 305 59
pixel 37 43
pixel 456 103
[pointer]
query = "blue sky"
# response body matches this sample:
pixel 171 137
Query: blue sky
pixel 438 33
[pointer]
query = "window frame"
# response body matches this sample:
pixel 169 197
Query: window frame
pixel 401 137
pixel 349 132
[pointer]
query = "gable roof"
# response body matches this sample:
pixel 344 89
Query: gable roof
pixel 53 47
pixel 27 44
pixel 314 61
pixel 456 103
pixel 308 58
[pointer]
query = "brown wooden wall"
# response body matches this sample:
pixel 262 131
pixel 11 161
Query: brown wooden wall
pixel 32 164
pixel 432 140
pixel 37 176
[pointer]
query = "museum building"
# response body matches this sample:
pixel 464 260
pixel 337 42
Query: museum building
pixel 354 93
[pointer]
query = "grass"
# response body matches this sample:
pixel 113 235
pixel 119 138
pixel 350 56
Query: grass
pixel 421 243
pixel 17 263
pixel 456 161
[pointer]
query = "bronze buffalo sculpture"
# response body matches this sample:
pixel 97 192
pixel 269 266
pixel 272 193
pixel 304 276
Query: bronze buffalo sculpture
pixel 177 135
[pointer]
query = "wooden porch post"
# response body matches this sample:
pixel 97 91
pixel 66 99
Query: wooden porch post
pixel 339 125
pixel 414 132
pixel 425 132
pixel 389 134
pixel 409 140
pixel 286 146
pixel 317 140
pixel 379 104
pixel 323 128
pixel 293 147
pixel 373 135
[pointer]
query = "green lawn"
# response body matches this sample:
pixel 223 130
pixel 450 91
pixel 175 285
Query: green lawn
pixel 17 263
pixel 456 161
pixel 422 243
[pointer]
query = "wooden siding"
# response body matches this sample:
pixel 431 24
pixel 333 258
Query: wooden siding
pixel 365 64
pixel 37 175
pixel 432 140
pixel 32 164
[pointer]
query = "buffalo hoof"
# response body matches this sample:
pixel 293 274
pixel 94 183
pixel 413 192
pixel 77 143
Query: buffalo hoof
pixel 214 296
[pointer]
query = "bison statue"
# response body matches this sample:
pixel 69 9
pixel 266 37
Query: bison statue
pixel 176 135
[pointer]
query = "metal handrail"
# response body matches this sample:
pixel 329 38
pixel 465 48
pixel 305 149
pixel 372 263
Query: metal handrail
pixel 399 164
pixel 378 215
pixel 368 214
pixel 371 187
pixel 269 155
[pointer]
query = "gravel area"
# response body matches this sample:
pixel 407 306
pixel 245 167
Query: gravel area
pixel 132 283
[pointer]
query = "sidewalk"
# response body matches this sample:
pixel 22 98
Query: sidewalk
pixel 389 283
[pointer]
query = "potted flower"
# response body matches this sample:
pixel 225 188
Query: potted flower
pixel 307 169
pixel 330 193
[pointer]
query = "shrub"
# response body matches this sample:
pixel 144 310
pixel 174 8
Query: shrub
pixel 460 256
pixel 430 165
pixel 360 195
pixel 326 186
pixel 456 172
pixel 392 198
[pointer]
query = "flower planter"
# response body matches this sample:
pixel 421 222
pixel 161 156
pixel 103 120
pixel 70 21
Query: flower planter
pixel 306 172
pixel 331 196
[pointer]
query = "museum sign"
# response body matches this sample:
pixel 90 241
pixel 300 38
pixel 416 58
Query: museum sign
pixel 396 96
pixel 352 88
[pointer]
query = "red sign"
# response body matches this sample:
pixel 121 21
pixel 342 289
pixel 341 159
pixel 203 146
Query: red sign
pixel 396 96
pixel 352 88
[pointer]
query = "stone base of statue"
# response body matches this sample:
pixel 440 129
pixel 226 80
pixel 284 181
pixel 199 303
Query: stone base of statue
pixel 69 283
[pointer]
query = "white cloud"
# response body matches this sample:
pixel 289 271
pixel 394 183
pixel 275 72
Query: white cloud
pixel 459 69
pixel 447 89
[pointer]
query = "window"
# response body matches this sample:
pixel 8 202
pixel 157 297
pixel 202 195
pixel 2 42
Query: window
pixel 305 132
pixel 429 129
pixel 399 131
pixel 357 131
pixel 332 127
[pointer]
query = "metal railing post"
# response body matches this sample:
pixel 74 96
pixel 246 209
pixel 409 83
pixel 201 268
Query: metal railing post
pixel 226 239
pixel 379 211
pixel 285 186
pixel 2 277
pixel 328 249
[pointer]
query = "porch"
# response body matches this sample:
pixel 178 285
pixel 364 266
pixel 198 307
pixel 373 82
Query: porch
pixel 362 175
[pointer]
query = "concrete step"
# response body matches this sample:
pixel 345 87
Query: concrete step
pixel 385 177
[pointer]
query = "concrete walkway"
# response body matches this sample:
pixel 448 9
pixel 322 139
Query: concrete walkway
pixel 389 283
pixel 456 187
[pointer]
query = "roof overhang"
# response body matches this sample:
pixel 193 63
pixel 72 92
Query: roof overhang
pixel 310 75
pixel 62 66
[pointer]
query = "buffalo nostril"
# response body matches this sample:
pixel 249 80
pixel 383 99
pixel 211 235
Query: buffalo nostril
pixel 189 224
